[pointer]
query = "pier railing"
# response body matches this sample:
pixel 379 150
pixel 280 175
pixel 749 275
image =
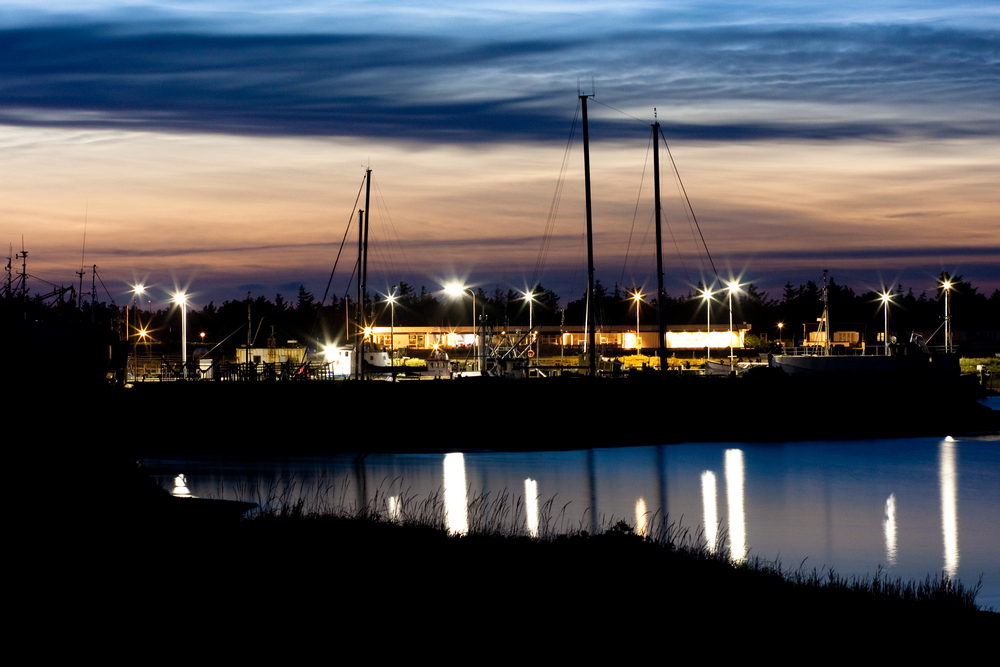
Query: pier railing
pixel 165 369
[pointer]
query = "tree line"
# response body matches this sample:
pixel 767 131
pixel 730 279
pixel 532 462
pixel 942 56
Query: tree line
pixel 312 324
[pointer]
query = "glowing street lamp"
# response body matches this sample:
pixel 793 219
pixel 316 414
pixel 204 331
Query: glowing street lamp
pixel 946 286
pixel 456 290
pixel 637 297
pixel 707 296
pixel 181 300
pixel 137 290
pixel 732 287
pixel 781 325
pixel 886 298
pixel 530 298
pixel 391 298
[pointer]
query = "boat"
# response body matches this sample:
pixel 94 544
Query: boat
pixel 910 359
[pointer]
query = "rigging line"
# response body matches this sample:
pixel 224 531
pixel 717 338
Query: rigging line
pixel 688 200
pixel 343 241
pixel 238 329
pixel 642 250
pixel 543 251
pixel 255 333
pixel 354 272
pixel 384 253
pixel 86 215
pixel 678 249
pixel 42 280
pixel 635 214
pixel 392 223
pixel 687 216
pixel 106 291
pixel 644 122
pixel 350 219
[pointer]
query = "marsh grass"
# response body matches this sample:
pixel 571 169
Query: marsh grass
pixel 502 517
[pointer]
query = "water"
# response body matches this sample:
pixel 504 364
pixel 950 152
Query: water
pixel 915 506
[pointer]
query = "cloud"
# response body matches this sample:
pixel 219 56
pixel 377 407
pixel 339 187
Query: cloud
pixel 715 83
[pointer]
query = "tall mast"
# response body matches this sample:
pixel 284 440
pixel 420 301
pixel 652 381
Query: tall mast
pixel 661 324
pixel 826 317
pixel 93 293
pixel 359 327
pixel 24 281
pixel 364 268
pixel 249 327
pixel 591 304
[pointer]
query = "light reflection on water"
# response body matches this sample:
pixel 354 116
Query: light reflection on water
pixel 848 505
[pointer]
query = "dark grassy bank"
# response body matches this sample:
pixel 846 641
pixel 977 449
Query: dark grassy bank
pixel 289 559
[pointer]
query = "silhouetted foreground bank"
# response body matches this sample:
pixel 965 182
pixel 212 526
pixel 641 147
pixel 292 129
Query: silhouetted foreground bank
pixel 168 565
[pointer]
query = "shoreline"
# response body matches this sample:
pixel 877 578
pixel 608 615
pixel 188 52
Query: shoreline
pixel 303 418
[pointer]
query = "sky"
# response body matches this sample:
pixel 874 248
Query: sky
pixel 219 146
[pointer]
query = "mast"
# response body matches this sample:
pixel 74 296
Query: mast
pixel 24 281
pixel 364 268
pixel 826 317
pixel 359 327
pixel 660 323
pixel 591 318
pixel 249 328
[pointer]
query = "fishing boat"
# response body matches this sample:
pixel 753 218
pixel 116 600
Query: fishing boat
pixel 910 359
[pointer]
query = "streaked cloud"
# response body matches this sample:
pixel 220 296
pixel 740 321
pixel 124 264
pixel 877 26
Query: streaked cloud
pixel 225 140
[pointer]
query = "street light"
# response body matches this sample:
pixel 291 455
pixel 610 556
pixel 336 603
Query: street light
pixel 391 298
pixel 707 296
pixel 181 300
pixel 946 285
pixel 781 325
pixel 886 298
pixel 456 290
pixel 637 297
pixel 530 297
pixel 733 287
pixel 137 290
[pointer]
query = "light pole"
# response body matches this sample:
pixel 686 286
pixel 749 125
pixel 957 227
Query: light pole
pixel 947 316
pixel 137 290
pixel 391 298
pixel 530 297
pixel 454 289
pixel 886 298
pixel 181 300
pixel 707 295
pixel 637 297
pixel 781 325
pixel 732 364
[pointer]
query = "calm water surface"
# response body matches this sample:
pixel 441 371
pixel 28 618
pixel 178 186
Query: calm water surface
pixel 914 506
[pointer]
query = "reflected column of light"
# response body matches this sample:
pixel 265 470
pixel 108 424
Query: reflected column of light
pixel 708 501
pixel 890 529
pixel 640 517
pixel 734 498
pixel 394 508
pixel 456 507
pixel 949 505
pixel 180 487
pixel 531 505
